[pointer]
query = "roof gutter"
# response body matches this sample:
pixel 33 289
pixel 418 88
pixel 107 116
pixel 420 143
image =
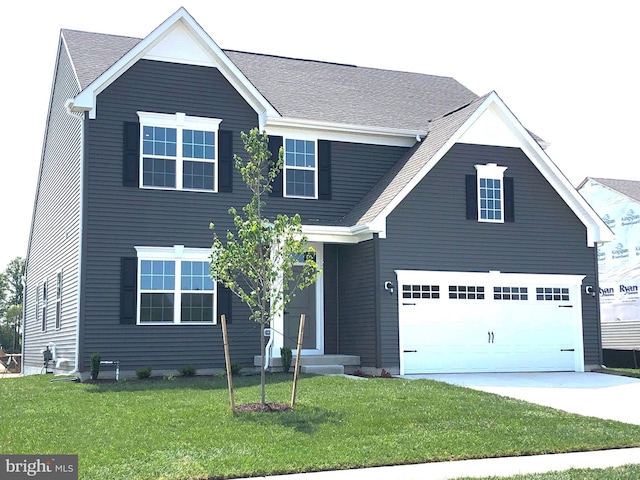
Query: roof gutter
pixel 284 126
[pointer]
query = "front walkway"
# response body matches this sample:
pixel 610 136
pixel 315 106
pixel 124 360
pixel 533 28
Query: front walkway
pixel 478 468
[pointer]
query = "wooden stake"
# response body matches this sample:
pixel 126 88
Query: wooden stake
pixel 227 361
pixel 297 367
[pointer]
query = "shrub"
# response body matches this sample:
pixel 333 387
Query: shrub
pixel 385 374
pixel 235 369
pixel 144 372
pixel 95 365
pixel 188 371
pixel 285 355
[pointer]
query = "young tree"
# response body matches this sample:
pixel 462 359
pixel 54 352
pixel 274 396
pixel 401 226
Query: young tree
pixel 256 262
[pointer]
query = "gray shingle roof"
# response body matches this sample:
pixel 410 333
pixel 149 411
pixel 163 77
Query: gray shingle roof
pixel 339 93
pixel 93 53
pixel 398 177
pixel 630 188
pixel 307 89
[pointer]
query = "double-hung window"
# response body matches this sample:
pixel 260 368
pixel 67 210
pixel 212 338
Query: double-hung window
pixel 178 152
pixel 175 286
pixel 300 168
pixel 490 190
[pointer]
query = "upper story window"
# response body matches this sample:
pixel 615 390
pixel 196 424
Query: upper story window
pixel 175 286
pixel 490 190
pixel 300 168
pixel 178 152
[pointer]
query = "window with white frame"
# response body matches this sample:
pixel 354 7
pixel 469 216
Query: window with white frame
pixel 58 299
pixel 300 168
pixel 490 192
pixel 174 286
pixel 178 152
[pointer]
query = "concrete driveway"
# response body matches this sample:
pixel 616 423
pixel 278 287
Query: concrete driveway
pixel 599 395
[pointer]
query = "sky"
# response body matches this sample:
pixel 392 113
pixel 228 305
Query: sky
pixel 567 69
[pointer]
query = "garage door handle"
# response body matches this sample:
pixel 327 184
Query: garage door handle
pixel 567 349
pixel 565 306
pixel 408 303
pixel 410 351
pixel 490 337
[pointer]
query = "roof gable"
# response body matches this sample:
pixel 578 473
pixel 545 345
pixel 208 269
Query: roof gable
pixel 178 39
pixel 487 121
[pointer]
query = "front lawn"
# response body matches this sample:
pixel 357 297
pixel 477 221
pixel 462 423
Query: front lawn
pixel 182 428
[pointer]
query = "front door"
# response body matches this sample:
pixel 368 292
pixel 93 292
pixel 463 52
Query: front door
pixel 302 301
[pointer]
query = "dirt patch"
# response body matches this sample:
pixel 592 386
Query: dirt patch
pixel 267 407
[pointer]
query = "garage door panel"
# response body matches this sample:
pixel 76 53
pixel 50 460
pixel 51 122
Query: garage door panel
pixel 488 322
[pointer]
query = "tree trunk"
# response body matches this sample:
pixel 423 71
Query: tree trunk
pixel 262 359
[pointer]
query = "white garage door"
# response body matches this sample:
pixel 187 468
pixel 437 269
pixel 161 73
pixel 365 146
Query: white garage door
pixel 489 322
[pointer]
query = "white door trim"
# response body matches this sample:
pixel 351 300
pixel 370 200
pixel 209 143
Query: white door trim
pixel 277 324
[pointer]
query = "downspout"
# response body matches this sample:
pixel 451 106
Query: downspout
pixel 81 118
pixel 24 316
pixel 597 298
pixel 338 299
pixel 376 298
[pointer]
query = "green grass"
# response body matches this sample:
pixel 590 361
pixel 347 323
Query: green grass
pixel 626 472
pixel 630 372
pixel 183 428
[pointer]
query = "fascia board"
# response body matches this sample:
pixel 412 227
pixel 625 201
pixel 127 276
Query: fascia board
pixel 86 100
pixel 284 126
pixel 336 234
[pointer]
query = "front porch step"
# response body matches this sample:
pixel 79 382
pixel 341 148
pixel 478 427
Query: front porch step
pixel 322 369
pixel 314 360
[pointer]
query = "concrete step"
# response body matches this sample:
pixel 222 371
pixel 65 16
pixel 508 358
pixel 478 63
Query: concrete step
pixel 345 360
pixel 322 369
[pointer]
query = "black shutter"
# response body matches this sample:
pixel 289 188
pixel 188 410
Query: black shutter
pixel 472 197
pixel 128 290
pixel 225 301
pixel 324 169
pixel 225 162
pixel 274 147
pixel 509 206
pixel 131 154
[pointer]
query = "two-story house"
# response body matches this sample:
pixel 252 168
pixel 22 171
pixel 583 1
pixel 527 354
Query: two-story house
pixel 448 240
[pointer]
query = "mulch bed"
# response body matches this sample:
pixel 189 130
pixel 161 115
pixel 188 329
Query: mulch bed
pixel 267 407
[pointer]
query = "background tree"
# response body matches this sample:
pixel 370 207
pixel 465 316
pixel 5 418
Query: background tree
pixel 13 275
pixel 256 262
pixel 11 298
pixel 4 288
pixel 13 329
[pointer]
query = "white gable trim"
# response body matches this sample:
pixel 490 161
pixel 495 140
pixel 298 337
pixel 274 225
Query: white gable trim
pixel 163 43
pixel 597 231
